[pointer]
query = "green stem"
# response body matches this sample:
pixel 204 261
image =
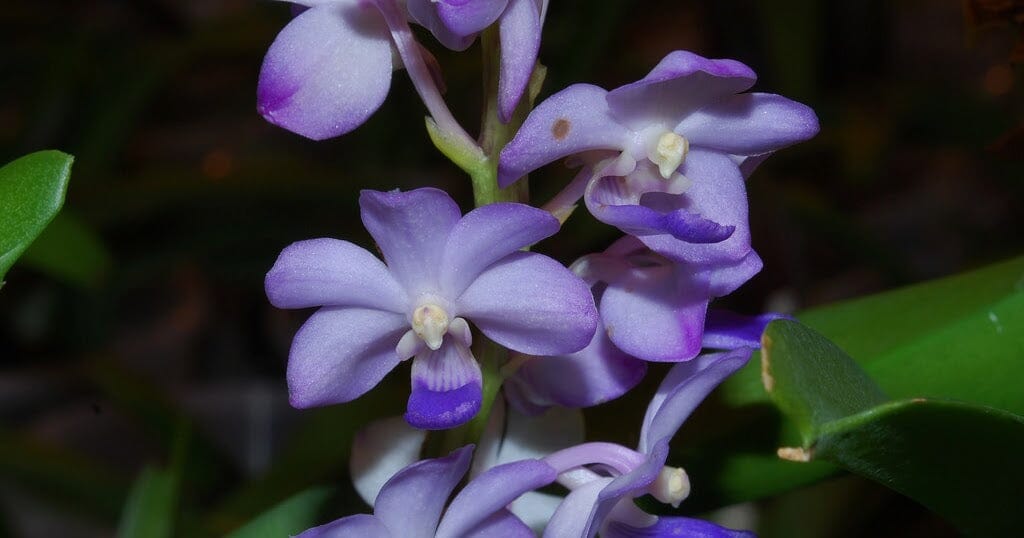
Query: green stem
pixel 493 133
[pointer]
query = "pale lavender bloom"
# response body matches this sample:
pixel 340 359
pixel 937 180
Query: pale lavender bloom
pixel 411 504
pixel 604 501
pixel 441 270
pixel 330 68
pixel 456 23
pixel 663 155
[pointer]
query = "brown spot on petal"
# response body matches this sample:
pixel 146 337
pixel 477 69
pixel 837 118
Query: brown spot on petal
pixel 560 129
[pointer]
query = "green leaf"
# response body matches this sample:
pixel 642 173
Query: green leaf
pixel 961 460
pixel 70 251
pixel 841 388
pixel 149 512
pixel 933 339
pixel 31 192
pixel 152 506
pixel 288 518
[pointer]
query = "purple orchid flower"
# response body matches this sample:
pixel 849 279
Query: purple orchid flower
pixel 456 23
pixel 441 270
pixel 663 156
pixel 411 504
pixel 604 478
pixel 330 68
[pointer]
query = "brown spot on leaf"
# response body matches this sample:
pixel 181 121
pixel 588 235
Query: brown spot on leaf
pixel 766 369
pixel 560 129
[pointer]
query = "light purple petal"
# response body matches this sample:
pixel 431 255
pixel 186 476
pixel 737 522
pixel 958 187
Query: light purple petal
pixel 656 313
pixel 466 17
pixel 571 121
pixel 501 524
pixel 726 277
pixel 684 388
pixel 424 13
pixel 519 33
pixel 575 515
pixel 446 388
pixel 410 504
pixel 718 194
pixel 528 437
pixel 594 375
pixel 379 451
pixel 332 272
pixel 328 70
pixel 674 526
pixel 632 484
pixel 728 330
pixel 487 234
pixel 362 525
pixel 491 492
pixel 340 353
pixel 411 229
pixel 531 304
pixel 680 84
pixel 749 124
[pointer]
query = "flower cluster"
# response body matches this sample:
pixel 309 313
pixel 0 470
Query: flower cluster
pixel 663 159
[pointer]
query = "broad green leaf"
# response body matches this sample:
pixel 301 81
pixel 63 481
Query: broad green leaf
pixel 70 251
pixel 959 337
pixel 288 518
pixel 961 460
pixel 31 192
pixel 840 386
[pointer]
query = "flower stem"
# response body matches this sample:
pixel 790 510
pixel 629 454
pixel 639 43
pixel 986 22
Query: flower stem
pixel 493 133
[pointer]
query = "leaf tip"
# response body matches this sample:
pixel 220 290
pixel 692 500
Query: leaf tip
pixel 797 454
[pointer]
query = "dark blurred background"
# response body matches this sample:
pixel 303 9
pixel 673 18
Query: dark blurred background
pixel 142 308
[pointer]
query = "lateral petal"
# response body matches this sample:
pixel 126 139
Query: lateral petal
pixel 487 234
pixel 340 353
pixel 531 304
pixel 411 503
pixel 490 492
pixel 749 124
pixel 656 313
pixel 571 121
pixel 682 390
pixel 327 71
pixel 333 272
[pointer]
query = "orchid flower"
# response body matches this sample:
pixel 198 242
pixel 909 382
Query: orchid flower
pixel 441 270
pixel 662 156
pixel 411 504
pixel 330 68
pixel 456 23
pixel 604 501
